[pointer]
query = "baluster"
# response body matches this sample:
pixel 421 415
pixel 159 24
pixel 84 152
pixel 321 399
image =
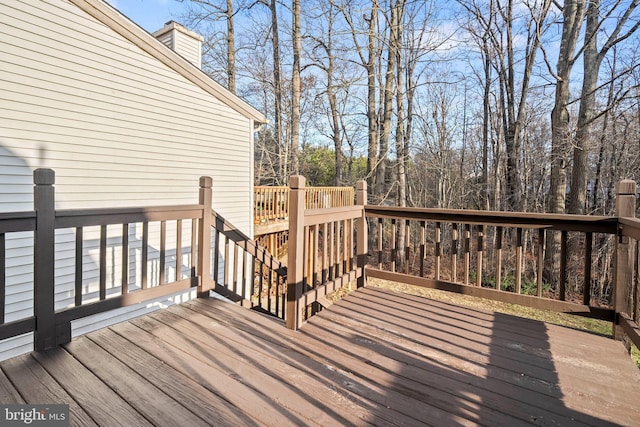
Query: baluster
pixel 518 260
pixel 78 278
pixel 179 249
pixel 423 238
pixel 563 265
pixel 588 247
pixel 480 252
pixel 438 249
pixel 125 259
pixel 499 258
pixel 380 243
pixel 314 256
pixel 163 251
pixel 325 254
pixel 394 250
pixel 332 241
pixel 467 253
pixel 454 252
pixel 540 261
pixel 407 238
pixel 345 245
pixel 103 262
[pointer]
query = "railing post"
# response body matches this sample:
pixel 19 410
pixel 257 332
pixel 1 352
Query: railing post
pixel 361 244
pixel 625 207
pixel 205 283
pixel 296 250
pixel 46 333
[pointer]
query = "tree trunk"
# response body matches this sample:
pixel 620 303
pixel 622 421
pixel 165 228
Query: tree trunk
pixel 387 113
pixel 295 88
pixel 280 165
pixel 573 15
pixel 231 48
pixel 591 67
pixel 372 117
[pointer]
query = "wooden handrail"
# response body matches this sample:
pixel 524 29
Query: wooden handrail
pixel 428 252
pixel 112 227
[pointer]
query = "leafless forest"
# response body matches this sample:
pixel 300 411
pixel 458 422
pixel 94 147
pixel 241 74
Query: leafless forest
pixel 524 105
pixel 511 105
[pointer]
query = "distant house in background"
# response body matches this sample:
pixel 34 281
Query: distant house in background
pixel 122 119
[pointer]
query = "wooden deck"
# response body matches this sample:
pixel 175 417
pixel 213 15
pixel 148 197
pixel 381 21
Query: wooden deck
pixel 375 358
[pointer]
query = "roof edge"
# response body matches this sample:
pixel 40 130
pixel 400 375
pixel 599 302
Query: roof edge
pixel 131 31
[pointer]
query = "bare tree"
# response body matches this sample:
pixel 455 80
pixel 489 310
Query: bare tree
pixel 592 60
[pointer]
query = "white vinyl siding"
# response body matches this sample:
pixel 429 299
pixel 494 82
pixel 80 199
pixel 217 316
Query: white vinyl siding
pixel 118 127
pixel 188 47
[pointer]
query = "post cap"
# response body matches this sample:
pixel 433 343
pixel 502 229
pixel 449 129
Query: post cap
pixel 206 182
pixel 44 177
pixel 626 187
pixel 297 181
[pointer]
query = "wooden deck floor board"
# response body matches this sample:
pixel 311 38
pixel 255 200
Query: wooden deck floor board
pixel 36 386
pixel 538 352
pixel 234 392
pixel 378 382
pixel 278 364
pixel 290 392
pixel 87 389
pixel 271 343
pixel 460 385
pixel 147 399
pixel 8 393
pixel 183 388
pixel 374 358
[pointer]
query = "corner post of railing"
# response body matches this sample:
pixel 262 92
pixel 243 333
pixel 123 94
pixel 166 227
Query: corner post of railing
pixel 205 284
pixel 46 333
pixel 625 208
pixel 296 251
pixel 361 244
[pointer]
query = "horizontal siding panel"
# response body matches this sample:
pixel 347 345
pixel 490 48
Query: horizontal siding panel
pixel 80 86
pixel 83 37
pixel 16 346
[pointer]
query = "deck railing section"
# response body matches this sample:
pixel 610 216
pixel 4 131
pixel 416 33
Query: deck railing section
pixel 252 274
pixel 272 203
pixel 327 248
pixel 495 255
pixel 627 291
pixel 88 261
pixel 12 224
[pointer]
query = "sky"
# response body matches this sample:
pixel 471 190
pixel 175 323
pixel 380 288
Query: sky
pixel 149 14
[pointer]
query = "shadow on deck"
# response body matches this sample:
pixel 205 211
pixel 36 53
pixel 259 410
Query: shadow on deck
pixel 376 357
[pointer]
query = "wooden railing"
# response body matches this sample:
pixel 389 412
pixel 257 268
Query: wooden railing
pixel 326 249
pixel 261 281
pixel 185 253
pixel 503 256
pixel 627 292
pixel 496 255
pixel 272 203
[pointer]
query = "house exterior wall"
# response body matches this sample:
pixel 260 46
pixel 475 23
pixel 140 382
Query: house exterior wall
pixel 118 127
